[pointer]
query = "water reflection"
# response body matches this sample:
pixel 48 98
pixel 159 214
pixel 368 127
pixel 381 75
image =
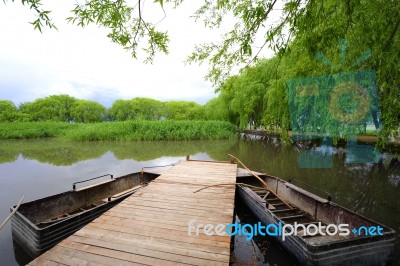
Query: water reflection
pixel 66 153
pixel 41 168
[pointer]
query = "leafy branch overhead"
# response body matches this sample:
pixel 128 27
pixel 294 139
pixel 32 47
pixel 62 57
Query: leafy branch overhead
pixel 42 19
pixel 126 25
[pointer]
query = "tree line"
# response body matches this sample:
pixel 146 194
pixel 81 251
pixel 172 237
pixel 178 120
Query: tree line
pixel 65 108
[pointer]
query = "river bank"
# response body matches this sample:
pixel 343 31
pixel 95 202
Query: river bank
pixel 392 145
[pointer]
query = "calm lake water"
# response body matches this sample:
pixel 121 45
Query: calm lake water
pixel 42 168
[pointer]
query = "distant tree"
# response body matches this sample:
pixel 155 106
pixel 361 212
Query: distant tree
pixel 66 103
pixel 147 109
pixel 54 107
pixel 183 110
pixel 8 111
pixel 121 110
pixel 137 108
pixel 85 111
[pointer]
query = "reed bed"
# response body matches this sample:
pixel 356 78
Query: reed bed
pixel 136 130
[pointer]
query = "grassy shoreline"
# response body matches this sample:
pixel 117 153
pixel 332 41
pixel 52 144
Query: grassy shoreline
pixel 135 130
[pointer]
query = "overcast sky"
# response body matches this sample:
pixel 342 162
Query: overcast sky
pixel 85 64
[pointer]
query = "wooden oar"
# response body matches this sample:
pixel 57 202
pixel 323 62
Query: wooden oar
pixel 262 182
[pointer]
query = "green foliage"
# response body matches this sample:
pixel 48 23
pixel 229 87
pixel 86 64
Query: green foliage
pixel 121 110
pixel 137 108
pixel 152 130
pixel 370 28
pixel 54 108
pixel 43 18
pixel 120 131
pixel 183 110
pixel 254 97
pixel 85 111
pixel 65 108
pixel 150 109
pixel 8 111
pixel 127 26
pixel 367 26
pixel 251 20
pixel 33 130
pixel 215 109
pixel 147 109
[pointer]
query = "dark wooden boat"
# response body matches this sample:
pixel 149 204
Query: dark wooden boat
pixel 307 208
pixel 39 225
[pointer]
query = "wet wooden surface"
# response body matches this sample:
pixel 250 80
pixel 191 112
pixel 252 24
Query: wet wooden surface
pixel 151 226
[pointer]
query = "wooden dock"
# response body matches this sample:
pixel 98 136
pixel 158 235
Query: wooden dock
pixel 151 226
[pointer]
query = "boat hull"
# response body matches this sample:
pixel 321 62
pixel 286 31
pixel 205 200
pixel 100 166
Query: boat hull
pixel 27 227
pixel 376 250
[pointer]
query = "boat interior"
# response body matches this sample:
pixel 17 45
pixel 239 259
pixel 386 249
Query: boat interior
pixel 47 211
pixel 295 204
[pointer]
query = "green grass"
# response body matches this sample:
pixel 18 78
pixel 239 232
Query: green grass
pixel 120 131
pixel 33 130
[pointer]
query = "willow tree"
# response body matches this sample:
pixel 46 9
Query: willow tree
pixel 53 107
pixel 8 111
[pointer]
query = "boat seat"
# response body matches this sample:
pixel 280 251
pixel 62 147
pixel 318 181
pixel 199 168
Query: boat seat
pixel 284 210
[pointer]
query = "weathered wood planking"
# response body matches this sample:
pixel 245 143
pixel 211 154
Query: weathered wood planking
pixel 151 226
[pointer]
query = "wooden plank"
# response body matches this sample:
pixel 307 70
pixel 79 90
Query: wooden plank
pixel 174 200
pixel 138 250
pixel 175 209
pixel 154 245
pixel 176 216
pixel 185 191
pixel 65 259
pixel 170 198
pixel 133 219
pixel 44 262
pixel 190 246
pixel 151 226
pixel 133 227
pixel 154 219
pixel 183 205
pixel 112 253
pixel 133 223
pixel 179 190
pixel 187 239
pixel 192 182
pixel 90 257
